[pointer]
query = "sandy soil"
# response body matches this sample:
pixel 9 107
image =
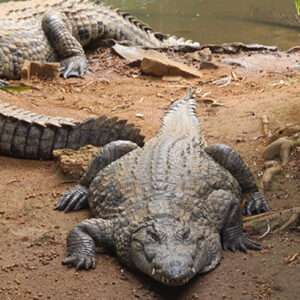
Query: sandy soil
pixel 32 240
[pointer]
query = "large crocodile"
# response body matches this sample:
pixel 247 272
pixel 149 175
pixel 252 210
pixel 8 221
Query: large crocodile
pixel 25 134
pixel 167 208
pixel 56 30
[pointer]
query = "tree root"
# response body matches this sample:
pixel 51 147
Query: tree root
pixel 272 222
pixel 281 148
pixel 272 168
pixel 286 131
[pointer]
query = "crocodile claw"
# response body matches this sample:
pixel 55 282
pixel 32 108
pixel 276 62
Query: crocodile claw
pixel 73 200
pixel 255 204
pixel 75 66
pixel 233 238
pixel 80 262
pixel 241 243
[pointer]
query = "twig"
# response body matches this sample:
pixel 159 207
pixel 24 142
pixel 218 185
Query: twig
pixel 265 126
pixel 266 233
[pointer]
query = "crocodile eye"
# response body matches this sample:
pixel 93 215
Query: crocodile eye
pixel 138 244
pixel 183 234
pixel 153 235
pixel 186 233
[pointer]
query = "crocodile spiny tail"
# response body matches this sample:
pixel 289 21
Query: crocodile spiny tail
pixel 24 134
pixel 167 41
pixel 175 43
pixel 138 23
pixel 181 113
pixel 181 118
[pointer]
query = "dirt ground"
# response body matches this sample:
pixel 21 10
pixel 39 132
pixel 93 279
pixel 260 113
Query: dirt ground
pixel 32 239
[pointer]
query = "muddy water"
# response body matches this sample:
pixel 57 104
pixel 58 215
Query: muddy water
pixel 216 21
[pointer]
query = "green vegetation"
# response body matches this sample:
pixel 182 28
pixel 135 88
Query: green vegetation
pixel 12 89
pixel 297 3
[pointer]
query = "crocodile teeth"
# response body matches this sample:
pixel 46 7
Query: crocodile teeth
pixel 153 271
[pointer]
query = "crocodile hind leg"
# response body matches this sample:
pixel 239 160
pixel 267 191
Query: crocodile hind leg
pixel 77 197
pixel 232 161
pixel 82 242
pixel 59 33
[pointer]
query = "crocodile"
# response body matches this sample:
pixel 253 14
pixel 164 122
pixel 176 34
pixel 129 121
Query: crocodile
pixel 166 209
pixel 59 30
pixel 24 134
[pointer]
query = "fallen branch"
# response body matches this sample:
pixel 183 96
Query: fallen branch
pixel 272 168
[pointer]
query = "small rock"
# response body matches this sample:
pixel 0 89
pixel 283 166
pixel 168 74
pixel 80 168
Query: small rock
pixel 202 55
pixel 75 162
pixel 160 65
pixel 43 71
pixel 139 115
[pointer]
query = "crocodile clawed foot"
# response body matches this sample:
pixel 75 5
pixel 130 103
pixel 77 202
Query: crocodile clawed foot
pixel 233 238
pixel 75 66
pixel 73 200
pixel 255 204
pixel 80 262
pixel 241 243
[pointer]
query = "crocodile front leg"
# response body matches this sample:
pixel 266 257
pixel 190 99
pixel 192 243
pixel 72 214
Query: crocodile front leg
pixel 224 210
pixel 233 237
pixel 232 161
pixel 77 197
pixel 59 33
pixel 82 241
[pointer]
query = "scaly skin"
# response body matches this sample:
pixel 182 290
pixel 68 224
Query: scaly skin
pixel 24 134
pixel 167 208
pixel 58 31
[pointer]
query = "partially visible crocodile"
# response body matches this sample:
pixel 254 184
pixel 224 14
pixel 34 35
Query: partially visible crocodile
pixel 25 134
pixel 167 208
pixel 56 30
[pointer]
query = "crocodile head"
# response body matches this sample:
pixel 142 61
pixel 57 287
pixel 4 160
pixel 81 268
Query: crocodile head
pixel 173 252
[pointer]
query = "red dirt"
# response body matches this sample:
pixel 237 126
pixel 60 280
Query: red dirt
pixel 32 243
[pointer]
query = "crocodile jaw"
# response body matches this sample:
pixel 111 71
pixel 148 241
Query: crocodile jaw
pixel 171 253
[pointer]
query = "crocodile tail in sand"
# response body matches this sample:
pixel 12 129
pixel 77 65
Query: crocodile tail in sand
pixel 24 134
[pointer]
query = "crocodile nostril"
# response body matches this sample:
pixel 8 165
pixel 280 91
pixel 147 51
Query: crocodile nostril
pixel 150 256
